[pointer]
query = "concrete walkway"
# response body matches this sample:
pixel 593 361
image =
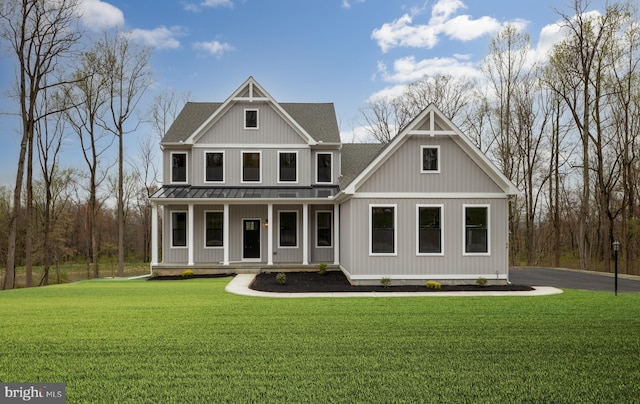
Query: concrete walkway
pixel 239 285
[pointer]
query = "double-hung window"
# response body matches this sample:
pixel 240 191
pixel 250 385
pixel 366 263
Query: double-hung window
pixel 287 167
pixel 214 166
pixel 214 227
pixel 383 228
pixel 323 169
pixel 324 230
pixel 178 167
pixel 429 230
pixel 178 229
pixel 476 229
pixel 251 167
pixel 430 159
pixel 288 228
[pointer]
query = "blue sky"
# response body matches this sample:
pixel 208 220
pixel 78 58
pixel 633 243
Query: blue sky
pixel 340 51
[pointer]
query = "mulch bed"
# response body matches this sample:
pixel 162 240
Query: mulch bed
pixel 335 281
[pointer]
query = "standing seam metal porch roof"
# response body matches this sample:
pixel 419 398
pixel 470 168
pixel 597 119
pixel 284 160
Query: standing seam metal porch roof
pixel 188 192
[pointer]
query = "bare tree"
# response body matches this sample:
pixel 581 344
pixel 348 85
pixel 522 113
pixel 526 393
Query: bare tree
pixel 39 33
pixel 126 68
pixel 165 108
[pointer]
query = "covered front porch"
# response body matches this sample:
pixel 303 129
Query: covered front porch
pixel 247 234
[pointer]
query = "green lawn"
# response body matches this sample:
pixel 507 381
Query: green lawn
pixel 189 341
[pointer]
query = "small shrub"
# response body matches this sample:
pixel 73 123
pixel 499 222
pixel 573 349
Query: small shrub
pixel 281 278
pixel 322 268
pixel 433 285
pixel 386 282
pixel 186 274
pixel 481 282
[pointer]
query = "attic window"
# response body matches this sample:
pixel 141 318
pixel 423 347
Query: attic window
pixel 430 159
pixel 251 119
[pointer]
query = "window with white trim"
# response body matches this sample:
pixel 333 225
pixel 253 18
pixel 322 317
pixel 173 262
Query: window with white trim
pixel 288 223
pixel 430 159
pixel 476 229
pixel 178 167
pixel 324 172
pixel 324 228
pixel 287 167
pixel 382 229
pixel 214 228
pixel 251 167
pixel 251 119
pixel 178 229
pixel 214 166
pixel 429 230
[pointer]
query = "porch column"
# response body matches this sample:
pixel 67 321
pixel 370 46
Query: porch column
pixel 336 234
pixel 305 234
pixel 191 231
pixel 154 234
pixel 225 233
pixel 270 234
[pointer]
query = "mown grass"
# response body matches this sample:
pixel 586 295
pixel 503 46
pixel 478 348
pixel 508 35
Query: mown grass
pixel 189 341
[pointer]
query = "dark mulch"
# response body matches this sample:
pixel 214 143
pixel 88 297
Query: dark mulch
pixel 335 281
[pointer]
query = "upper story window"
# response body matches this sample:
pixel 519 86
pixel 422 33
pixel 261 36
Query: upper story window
pixel 323 170
pixel 251 119
pixel 214 166
pixel 287 167
pixel 430 159
pixel 251 167
pixel 476 229
pixel 178 167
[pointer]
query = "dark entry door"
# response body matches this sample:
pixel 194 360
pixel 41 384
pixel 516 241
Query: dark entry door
pixel 251 237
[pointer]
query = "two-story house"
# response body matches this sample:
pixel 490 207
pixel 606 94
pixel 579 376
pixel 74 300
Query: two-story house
pixel 252 184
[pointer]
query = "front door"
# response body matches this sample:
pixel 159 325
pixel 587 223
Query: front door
pixel 251 239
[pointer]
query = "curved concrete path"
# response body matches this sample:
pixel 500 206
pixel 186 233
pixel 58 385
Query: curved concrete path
pixel 239 285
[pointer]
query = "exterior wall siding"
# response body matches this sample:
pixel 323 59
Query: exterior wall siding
pixel 272 129
pixel 407 263
pixel 401 172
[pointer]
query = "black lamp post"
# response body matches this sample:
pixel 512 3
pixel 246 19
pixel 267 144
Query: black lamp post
pixel 616 248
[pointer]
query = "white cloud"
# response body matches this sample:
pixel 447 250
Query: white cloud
pixel 349 3
pixel 98 15
pixel 443 22
pixel 196 7
pixel 215 48
pixel 408 69
pixel 159 38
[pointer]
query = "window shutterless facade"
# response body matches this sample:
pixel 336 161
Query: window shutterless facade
pixel 178 167
pixel 214 229
pixel 324 171
pixel 476 230
pixel 430 159
pixel 178 229
pixel 324 228
pixel 251 119
pixel 287 167
pixel 251 167
pixel 382 229
pixel 288 221
pixel 430 234
pixel 214 166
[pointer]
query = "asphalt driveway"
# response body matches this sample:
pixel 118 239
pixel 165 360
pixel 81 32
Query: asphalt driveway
pixel 569 279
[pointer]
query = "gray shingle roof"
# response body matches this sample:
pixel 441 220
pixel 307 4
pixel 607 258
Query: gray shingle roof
pixel 318 119
pixel 355 158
